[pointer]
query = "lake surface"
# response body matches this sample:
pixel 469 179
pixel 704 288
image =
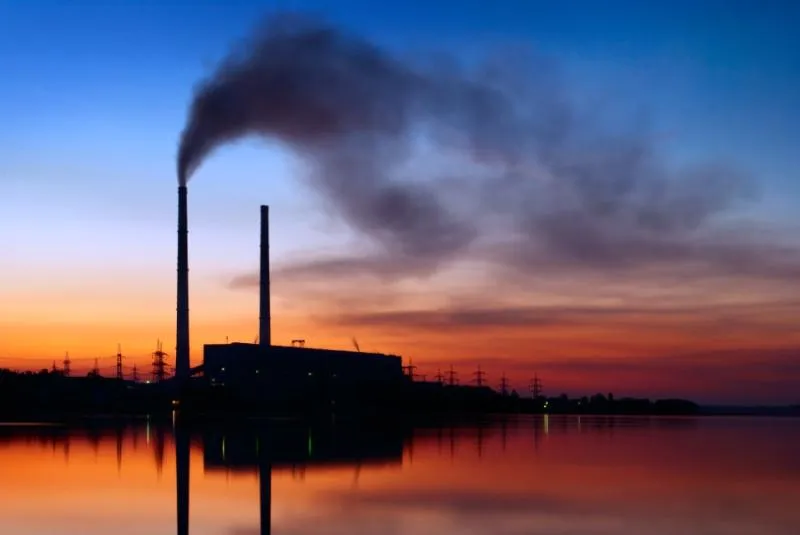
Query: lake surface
pixel 536 475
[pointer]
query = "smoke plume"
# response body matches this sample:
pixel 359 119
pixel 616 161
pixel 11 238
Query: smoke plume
pixel 523 163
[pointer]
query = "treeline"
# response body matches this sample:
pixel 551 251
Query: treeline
pixel 435 396
pixel 28 393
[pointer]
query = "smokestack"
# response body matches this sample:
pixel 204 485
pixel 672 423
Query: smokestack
pixel 182 327
pixel 264 320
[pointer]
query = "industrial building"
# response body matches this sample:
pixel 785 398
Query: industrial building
pixel 278 373
pixel 263 372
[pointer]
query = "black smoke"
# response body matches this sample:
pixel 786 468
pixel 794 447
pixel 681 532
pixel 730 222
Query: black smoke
pixel 529 168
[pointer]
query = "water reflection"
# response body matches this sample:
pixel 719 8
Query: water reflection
pixel 259 447
pixel 567 475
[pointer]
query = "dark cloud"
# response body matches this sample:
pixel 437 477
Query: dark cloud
pixel 757 361
pixel 325 269
pixel 462 318
pixel 526 166
pixel 741 257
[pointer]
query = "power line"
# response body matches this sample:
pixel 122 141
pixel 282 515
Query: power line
pixel 409 370
pixel 119 363
pixel 439 377
pixel 536 387
pixel 452 376
pixel 504 385
pixel 159 363
pixel 479 376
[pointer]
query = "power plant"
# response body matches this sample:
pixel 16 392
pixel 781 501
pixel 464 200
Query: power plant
pixel 265 373
pixel 270 379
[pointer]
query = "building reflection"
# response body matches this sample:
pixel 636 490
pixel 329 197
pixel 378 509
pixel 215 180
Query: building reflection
pixel 264 448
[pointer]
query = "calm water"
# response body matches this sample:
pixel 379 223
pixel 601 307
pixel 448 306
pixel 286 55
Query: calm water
pixel 554 476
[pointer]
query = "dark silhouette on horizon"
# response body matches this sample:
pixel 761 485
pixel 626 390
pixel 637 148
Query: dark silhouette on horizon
pixel 26 395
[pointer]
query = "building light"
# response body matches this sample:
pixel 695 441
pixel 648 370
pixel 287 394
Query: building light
pixel 222 369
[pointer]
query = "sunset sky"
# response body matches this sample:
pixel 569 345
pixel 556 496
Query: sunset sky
pixel 645 242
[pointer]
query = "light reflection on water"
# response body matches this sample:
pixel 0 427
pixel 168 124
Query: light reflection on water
pixel 528 475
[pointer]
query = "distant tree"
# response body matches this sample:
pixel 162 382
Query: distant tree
pixel 611 397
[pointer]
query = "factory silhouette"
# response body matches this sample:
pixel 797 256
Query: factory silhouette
pixel 293 380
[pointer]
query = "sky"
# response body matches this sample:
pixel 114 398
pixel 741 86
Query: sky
pixel 644 244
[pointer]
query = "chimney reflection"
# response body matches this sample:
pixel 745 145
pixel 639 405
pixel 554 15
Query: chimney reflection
pixel 267 448
pixel 264 484
pixel 274 448
pixel 182 476
pixel 182 468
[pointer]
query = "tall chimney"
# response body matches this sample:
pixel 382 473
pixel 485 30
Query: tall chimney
pixel 182 327
pixel 264 328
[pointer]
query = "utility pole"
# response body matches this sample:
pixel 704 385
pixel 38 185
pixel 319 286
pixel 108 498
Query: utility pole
pixel 504 385
pixel 479 376
pixel 536 387
pixel 119 362
pixel 67 364
pixel 452 377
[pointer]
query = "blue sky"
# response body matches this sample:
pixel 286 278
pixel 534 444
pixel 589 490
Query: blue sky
pixel 95 93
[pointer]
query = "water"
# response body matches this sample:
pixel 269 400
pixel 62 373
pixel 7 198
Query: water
pixel 554 476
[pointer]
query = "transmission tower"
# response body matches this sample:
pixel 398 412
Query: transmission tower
pixel 439 377
pixel 53 369
pixel 479 376
pixel 67 363
pixel 504 385
pixel 536 387
pixel 410 369
pixel 96 370
pixel 135 374
pixel 452 377
pixel 119 362
pixel 159 364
